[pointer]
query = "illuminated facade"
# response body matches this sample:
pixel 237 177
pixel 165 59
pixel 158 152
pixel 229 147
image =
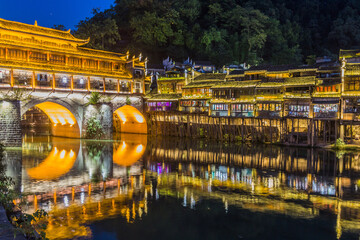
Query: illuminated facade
pixel 197 93
pixel 325 91
pixel 35 57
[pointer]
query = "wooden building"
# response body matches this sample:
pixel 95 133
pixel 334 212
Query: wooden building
pixel 36 57
pixel 197 94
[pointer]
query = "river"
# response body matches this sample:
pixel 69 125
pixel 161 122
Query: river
pixel 168 188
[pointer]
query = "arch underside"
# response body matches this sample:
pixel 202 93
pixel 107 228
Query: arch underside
pixel 63 121
pixel 131 120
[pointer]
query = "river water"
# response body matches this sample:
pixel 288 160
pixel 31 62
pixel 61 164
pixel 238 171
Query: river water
pixel 168 188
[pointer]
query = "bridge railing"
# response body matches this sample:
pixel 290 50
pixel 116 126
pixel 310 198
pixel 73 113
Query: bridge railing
pixel 66 82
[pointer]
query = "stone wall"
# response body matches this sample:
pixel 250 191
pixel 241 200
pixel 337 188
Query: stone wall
pixel 101 112
pixel 10 123
pixel 76 103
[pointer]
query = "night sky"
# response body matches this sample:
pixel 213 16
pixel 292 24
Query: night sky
pixel 50 12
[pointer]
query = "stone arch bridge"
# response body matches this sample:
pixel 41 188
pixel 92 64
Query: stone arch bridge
pixel 70 113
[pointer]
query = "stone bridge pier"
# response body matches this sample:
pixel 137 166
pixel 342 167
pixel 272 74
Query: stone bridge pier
pixel 72 116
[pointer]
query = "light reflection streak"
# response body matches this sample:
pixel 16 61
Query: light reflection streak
pixel 261 191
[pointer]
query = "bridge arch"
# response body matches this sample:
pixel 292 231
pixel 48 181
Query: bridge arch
pixel 130 150
pixel 59 161
pixel 65 120
pixel 130 120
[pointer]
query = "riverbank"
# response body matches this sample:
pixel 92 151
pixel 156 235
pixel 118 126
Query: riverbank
pixel 7 230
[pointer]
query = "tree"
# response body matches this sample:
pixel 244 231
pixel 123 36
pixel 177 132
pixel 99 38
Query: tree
pixel 59 27
pixel 345 32
pixel 102 30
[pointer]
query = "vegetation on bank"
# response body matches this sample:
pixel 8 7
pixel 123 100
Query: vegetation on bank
pixel 30 225
pixel 94 129
pixel 226 32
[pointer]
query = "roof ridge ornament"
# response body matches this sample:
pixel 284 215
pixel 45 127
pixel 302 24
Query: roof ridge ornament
pixel 36 24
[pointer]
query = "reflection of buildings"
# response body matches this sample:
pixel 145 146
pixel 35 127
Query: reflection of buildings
pixel 297 182
pixel 266 179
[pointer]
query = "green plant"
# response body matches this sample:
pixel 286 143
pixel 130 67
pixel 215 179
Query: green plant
pixel 226 137
pixel 339 144
pixel 128 101
pixel 94 98
pixel 30 225
pixel 201 132
pixel 238 139
pixel 17 94
pixel 94 129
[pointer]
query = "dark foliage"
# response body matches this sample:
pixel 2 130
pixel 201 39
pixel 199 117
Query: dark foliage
pixel 226 31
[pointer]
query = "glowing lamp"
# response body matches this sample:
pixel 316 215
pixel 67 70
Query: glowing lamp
pixel 139 118
pixel 62 154
pixel 64 79
pixel 139 148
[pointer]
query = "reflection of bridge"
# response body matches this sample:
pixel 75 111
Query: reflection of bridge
pixel 84 160
pixel 63 182
pixel 51 70
pixel 123 188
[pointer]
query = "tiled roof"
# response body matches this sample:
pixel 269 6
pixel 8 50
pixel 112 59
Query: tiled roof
pixel 235 84
pixel 34 29
pixel 348 53
pixel 210 76
pixel 200 84
pixel 163 97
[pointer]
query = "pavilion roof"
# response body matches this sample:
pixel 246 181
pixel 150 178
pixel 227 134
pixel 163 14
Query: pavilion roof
pixel 43 31
pixel 163 97
pixel 236 84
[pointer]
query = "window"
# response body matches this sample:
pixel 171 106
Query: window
pixel 88 63
pixel 220 107
pixel 352 84
pixel 105 65
pixel 74 62
pixel 38 56
pixel 326 107
pixel 16 54
pixel 244 107
pixel 57 59
pixel 269 107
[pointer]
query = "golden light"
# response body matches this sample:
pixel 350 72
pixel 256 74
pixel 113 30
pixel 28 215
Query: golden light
pixel 126 154
pixel 132 120
pixel 57 113
pixel 71 153
pixel 139 148
pixel 139 118
pixel 62 154
pixel 59 161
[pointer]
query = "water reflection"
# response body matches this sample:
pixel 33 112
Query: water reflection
pixel 82 183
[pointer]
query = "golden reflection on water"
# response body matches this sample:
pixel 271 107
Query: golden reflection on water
pixel 128 152
pixel 59 161
pixel 62 183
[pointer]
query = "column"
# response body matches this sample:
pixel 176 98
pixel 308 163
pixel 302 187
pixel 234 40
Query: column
pixel 12 78
pixel 53 83
pixel 104 85
pixel 33 80
pixel 72 82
